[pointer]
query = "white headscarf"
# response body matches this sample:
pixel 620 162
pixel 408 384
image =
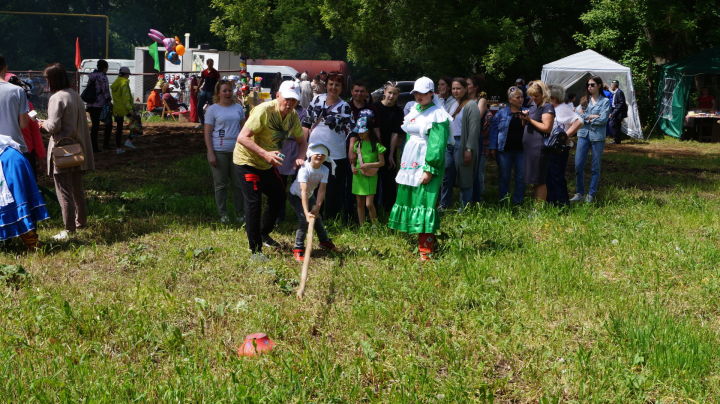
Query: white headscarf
pixel 6 197
pixel 7 141
pixel 320 148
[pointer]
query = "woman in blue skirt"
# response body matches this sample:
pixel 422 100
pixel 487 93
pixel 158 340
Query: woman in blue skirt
pixel 21 205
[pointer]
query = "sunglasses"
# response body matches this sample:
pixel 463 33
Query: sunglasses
pixel 591 84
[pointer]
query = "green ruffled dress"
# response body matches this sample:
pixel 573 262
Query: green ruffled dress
pixel 415 209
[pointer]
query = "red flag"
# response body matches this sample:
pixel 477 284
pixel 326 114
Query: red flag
pixel 78 59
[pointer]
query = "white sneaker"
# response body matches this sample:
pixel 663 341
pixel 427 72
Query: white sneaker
pixel 119 150
pixel 129 144
pixel 577 198
pixel 589 198
pixel 62 236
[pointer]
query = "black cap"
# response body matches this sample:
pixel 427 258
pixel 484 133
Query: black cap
pixel 615 82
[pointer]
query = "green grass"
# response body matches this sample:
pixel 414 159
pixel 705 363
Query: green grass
pixel 610 302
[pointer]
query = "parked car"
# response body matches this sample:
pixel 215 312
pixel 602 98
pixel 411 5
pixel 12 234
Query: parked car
pixel 405 88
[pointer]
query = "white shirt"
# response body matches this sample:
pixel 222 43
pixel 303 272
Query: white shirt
pixel 313 177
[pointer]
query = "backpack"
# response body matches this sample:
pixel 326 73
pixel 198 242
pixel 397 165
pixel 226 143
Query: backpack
pixel 89 94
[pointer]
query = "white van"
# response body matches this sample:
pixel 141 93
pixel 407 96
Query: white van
pixel 114 65
pixel 268 73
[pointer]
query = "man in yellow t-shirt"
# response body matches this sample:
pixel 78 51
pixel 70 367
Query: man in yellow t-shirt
pixel 256 157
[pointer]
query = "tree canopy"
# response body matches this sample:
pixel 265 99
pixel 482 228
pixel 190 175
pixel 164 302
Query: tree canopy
pixel 382 39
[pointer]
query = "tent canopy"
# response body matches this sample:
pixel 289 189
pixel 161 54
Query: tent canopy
pixel 571 72
pixel 675 84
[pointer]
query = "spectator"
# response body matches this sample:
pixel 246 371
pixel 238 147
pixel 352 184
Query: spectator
pixel 388 119
pixel 570 100
pixel 594 111
pixel 618 111
pixel 66 119
pixel 468 145
pixel 459 93
pixel 154 101
pixel 13 109
pixel 447 101
pixel 100 109
pixel 208 79
pixel 421 169
pixel 171 102
pixel 123 106
pixel 223 121
pixel 520 83
pixel 706 101
pixel 329 121
pixel 306 91
pixel 538 124
pixel 506 145
pixel 256 158
pixel 194 87
pixel 567 120
pixel 318 86
pixel 475 93
pixel 21 204
pixel 371 156
pixel 31 132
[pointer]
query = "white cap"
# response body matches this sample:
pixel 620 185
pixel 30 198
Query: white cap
pixel 423 85
pixel 289 89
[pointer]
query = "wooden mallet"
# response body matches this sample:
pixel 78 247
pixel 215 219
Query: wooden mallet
pixel 306 259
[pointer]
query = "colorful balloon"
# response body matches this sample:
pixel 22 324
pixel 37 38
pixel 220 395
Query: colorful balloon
pixel 180 49
pixel 169 44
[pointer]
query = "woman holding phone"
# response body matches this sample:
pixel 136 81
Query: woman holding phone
pixel 538 120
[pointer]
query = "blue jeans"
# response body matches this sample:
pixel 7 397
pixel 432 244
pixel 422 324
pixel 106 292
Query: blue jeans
pixel 507 162
pixel 452 154
pixel 583 147
pixel 204 97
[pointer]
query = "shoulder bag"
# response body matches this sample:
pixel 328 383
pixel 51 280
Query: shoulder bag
pixel 67 153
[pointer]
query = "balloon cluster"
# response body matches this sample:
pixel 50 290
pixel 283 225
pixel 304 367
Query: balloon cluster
pixel 173 47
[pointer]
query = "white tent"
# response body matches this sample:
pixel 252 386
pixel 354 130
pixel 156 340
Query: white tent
pixel 572 71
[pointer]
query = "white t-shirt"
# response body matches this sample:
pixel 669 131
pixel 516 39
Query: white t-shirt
pixel 226 125
pixel 13 102
pixel 311 176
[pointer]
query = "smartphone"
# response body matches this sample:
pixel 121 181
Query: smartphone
pixel 32 114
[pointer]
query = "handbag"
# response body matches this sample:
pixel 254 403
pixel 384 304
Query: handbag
pixel 67 153
pixel 368 172
pixel 556 141
pixel 89 94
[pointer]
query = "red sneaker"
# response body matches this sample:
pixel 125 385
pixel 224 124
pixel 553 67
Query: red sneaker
pixel 299 254
pixel 329 246
pixel 425 256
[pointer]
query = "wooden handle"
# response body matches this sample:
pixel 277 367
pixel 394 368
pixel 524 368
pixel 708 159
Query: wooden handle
pixel 306 259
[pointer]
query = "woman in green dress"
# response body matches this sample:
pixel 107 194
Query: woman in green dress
pixel 421 169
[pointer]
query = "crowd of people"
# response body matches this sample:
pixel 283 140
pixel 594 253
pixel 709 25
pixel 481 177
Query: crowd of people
pixel 351 160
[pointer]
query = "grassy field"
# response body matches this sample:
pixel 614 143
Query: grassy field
pixel 611 302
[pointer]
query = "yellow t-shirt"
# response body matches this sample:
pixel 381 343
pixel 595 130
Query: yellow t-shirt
pixel 269 130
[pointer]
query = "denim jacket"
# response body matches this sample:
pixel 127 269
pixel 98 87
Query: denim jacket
pixel 594 130
pixel 499 129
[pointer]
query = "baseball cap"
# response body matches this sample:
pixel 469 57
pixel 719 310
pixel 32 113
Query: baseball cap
pixel 288 89
pixel 124 70
pixel 615 82
pixel 423 85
